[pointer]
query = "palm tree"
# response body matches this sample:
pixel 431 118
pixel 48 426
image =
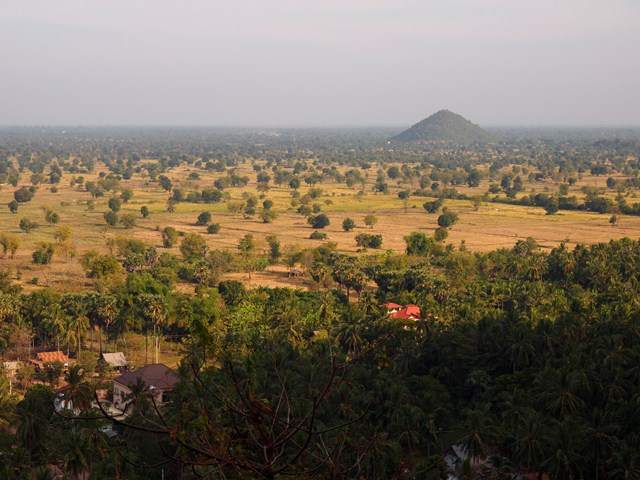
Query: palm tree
pixel 55 319
pixel 69 334
pixel 601 439
pixel 153 308
pixel 564 460
pixel 556 391
pixel 531 440
pixel 81 325
pixel 78 391
pixel 7 402
pixel 480 429
pixel 76 452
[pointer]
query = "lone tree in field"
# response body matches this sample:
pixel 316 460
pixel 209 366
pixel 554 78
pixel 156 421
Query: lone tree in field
pixel 144 210
pixel 9 244
pixel 128 220
pixel 370 220
pixel 24 194
pixel 447 219
pixel 13 206
pixel 165 183
pixel 114 204
pixel 348 224
pixel 318 221
pixel 51 217
pixel 203 219
pixel 111 218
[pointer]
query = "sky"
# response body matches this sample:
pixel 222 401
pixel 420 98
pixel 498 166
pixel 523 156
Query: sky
pixel 302 63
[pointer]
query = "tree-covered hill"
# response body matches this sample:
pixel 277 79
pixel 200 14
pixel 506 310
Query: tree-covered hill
pixel 445 127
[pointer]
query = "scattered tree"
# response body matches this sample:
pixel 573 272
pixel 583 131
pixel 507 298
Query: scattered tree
pixel 348 224
pixel 27 225
pixel 318 221
pixel 370 220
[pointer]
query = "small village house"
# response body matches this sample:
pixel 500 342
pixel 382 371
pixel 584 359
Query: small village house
pixel 157 378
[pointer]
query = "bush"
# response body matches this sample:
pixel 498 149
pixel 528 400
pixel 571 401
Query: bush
pixel 433 207
pixel 52 217
pixel 318 235
pixel 367 240
pixel 27 225
pixel 128 220
pixel 44 254
pixel 440 234
pixel 213 228
pixel 144 210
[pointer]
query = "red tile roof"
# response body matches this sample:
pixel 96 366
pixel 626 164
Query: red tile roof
pixel 392 306
pixel 50 357
pixel 408 312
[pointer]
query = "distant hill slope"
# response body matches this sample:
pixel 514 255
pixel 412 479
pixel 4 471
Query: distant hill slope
pixel 445 127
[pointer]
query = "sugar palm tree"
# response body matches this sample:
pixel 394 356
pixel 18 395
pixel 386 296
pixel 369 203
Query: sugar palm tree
pixel 153 308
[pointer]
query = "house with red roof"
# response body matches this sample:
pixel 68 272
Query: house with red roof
pixel 158 381
pixel 44 358
pixel 403 312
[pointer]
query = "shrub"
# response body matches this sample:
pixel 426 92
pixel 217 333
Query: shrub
pixel 128 220
pixel 433 207
pixel 440 234
pixel 44 254
pixel 27 225
pixel 213 228
pixel 367 240
pixel 318 235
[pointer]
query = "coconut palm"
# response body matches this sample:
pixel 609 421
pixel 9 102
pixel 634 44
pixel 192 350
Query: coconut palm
pixel 76 453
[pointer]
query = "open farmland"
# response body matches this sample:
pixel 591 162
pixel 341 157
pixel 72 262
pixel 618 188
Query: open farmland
pixel 485 222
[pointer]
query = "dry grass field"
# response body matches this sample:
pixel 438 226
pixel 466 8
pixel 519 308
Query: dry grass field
pixel 491 226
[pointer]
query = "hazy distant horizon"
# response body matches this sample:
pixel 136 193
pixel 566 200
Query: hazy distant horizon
pixel 312 126
pixel 337 63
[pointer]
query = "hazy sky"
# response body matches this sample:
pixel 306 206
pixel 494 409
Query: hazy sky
pixel 319 63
